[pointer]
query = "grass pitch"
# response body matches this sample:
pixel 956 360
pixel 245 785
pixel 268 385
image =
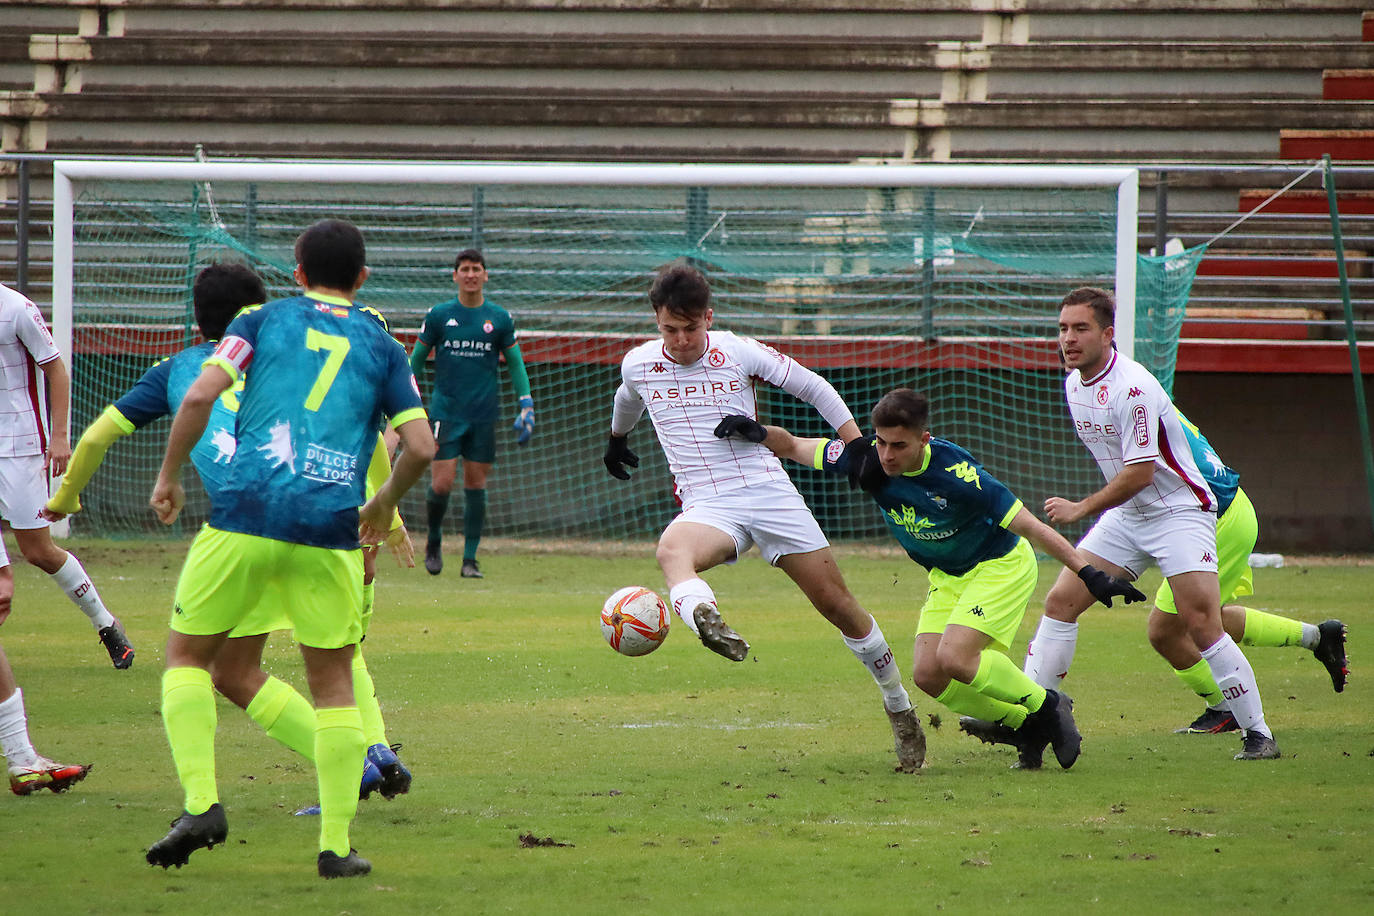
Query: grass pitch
pixel 682 783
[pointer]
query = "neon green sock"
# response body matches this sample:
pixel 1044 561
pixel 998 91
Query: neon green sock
pixel 966 701
pixel 1264 629
pixel 374 729
pixel 474 520
pixel 369 596
pixel 286 716
pixel 188 714
pixel 339 769
pixel 999 678
pixel 1200 681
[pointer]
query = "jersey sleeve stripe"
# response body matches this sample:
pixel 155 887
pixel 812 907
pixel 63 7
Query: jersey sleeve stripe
pixel 118 419
pixel 1199 491
pixel 1011 513
pixel 230 368
pixel 405 416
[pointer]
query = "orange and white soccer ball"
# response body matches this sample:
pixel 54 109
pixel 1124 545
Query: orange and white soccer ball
pixel 634 621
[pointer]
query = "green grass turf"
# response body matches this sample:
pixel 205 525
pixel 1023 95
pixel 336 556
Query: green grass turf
pixel 683 783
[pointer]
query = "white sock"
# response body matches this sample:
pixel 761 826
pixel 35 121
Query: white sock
pixel 1310 636
pixel 875 654
pixel 14 732
pixel 685 596
pixel 72 579
pixel 1050 652
pixel 1233 674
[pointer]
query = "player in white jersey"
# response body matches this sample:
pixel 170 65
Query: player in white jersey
pixel 735 493
pixel 30 447
pixel 1155 508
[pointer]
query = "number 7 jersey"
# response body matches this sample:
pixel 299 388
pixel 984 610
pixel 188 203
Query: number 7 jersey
pixel 319 376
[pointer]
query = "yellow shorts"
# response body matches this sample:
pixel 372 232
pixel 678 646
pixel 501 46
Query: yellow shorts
pixel 246 585
pixel 990 598
pixel 1237 532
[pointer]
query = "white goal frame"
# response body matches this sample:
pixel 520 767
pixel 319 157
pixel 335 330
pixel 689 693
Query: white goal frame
pixel 1124 179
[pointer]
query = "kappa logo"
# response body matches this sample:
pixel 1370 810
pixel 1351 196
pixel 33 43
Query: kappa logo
pixel 714 358
pixel 451 323
pixel 1207 557
pixel 1102 395
pixel 976 610
pixel 1134 393
pixel 657 367
pixel 965 472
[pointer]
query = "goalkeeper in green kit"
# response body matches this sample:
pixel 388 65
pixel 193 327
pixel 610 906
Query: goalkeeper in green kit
pixel 468 336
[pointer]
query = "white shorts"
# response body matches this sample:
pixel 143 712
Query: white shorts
pixel 23 491
pixel 772 515
pixel 1179 542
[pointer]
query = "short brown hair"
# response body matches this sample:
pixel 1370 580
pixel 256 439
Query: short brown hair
pixel 904 407
pixel 469 254
pixel 682 290
pixel 1100 301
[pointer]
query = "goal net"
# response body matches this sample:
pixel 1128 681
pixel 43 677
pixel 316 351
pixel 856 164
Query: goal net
pixel 943 278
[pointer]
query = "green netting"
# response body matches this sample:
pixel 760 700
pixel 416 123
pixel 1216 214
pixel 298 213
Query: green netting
pixel 953 291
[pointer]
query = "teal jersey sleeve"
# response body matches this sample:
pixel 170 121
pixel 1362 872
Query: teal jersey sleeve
pixel 319 376
pixel 1221 479
pixel 950 514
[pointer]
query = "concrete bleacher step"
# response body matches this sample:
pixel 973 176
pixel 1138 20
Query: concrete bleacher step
pixel 1367 26
pixel 1348 145
pixel 1249 323
pixel 1351 83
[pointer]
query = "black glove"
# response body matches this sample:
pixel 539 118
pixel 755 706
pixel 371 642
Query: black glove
pixel 1104 587
pixel 738 426
pixel 865 468
pixel 618 455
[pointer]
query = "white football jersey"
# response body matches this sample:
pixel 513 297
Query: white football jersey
pixel 686 402
pixel 25 344
pixel 1124 417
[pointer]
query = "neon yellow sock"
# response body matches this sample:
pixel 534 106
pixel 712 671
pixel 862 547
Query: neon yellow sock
pixel 339 769
pixel 188 714
pixel 999 678
pixel 286 716
pixel 1264 629
pixel 374 729
pixel 1200 681
pixel 369 596
pixel 966 701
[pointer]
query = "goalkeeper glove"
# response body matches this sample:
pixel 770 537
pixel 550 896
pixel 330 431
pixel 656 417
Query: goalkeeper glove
pixel 1104 587
pixel 524 423
pixel 865 468
pixel 737 426
pixel 618 455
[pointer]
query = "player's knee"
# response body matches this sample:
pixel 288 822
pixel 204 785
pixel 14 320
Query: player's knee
pixel 930 680
pixel 955 663
pixel 1065 602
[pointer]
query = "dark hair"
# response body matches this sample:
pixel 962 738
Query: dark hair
pixel 902 407
pixel 220 291
pixel 469 254
pixel 682 290
pixel 1100 301
pixel 331 254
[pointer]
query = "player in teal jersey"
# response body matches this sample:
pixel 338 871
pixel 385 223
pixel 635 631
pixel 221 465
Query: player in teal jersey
pixel 319 374
pixel 969 531
pixel 219 292
pixel 468 336
pixel 1237 532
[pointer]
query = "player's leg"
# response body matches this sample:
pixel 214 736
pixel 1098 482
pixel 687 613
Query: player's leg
pixel 29 771
pixel 481 441
pixel 327 617
pixel 442 472
pixel 23 502
pixel 685 549
pixel 392 776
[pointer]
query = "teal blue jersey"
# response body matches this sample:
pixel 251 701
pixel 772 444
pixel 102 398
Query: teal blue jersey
pixel 319 376
pixel 1223 480
pixel 467 344
pixel 159 392
pixel 949 515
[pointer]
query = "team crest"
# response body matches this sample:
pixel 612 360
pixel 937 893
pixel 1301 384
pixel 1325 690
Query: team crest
pixel 1102 395
pixel 834 450
pixel 487 327
pixel 714 358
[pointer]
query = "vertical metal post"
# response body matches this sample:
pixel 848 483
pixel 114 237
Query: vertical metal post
pixel 21 231
pixel 1161 212
pixel 250 218
pixel 928 266
pixel 479 216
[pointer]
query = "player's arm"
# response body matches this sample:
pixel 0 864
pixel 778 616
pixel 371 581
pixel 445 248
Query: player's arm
pixel 805 385
pixel 59 384
pixel 417 451
pixel 398 539
pixel 187 428
pixel 418 357
pixel 1103 586
pixel 625 413
pixel 520 381
pixel 1129 481
pixel 86 457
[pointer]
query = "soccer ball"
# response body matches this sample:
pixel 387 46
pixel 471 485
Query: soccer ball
pixel 634 621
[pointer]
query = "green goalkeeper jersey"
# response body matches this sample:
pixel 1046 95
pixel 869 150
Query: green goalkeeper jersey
pixel 467 344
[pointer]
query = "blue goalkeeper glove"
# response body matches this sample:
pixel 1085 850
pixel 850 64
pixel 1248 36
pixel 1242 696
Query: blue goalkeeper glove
pixel 1105 587
pixel 524 423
